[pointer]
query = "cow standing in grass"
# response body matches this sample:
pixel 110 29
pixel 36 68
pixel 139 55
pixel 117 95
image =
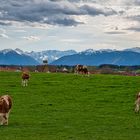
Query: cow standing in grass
pixel 81 69
pixel 5 107
pixel 25 79
pixel 137 103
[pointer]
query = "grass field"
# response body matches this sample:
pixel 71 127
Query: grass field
pixel 71 107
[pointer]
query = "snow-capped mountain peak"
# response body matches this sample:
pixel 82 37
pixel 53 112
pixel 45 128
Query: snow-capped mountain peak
pixel 16 57
pixel 5 51
pixel 91 51
pixel 135 49
pixel 106 50
pixel 50 55
pixel 17 50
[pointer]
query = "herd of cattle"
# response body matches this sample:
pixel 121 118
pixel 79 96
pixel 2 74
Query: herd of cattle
pixel 6 100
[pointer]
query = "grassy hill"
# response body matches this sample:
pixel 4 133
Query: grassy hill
pixel 71 107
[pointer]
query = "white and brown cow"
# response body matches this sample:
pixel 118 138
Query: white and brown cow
pixel 5 107
pixel 25 78
pixel 137 103
pixel 81 69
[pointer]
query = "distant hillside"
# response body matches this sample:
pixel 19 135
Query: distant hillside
pixel 16 57
pixel 90 57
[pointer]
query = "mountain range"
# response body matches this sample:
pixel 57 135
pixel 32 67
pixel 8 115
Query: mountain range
pixel 70 57
pixel 19 57
pixel 49 55
pixel 97 58
pixel 16 57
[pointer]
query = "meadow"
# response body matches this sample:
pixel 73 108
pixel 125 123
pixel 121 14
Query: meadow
pixel 58 106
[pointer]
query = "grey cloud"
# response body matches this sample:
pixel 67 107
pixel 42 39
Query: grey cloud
pixel 45 11
pixel 117 32
pixel 137 18
pixel 137 2
pixel 5 24
pixel 32 11
pixel 56 0
pixel 134 18
pixel 98 11
pixel 82 1
pixel 64 21
pixel 136 29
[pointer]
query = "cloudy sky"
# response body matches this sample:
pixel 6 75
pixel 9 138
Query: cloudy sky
pixel 35 25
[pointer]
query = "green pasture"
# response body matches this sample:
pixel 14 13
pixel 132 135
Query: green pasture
pixel 71 107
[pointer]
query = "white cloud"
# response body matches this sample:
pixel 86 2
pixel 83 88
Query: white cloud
pixel 20 31
pixel 4 36
pixel 71 40
pixel 105 46
pixel 3 33
pixel 2 30
pixel 76 24
pixel 32 38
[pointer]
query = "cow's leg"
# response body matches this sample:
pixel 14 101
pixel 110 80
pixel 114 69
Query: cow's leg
pixel 6 118
pixel 26 82
pixel 3 119
pixel 137 107
pixel 23 82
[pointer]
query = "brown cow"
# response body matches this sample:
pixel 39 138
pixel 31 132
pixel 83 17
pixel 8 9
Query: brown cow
pixel 5 107
pixel 137 103
pixel 25 79
pixel 81 69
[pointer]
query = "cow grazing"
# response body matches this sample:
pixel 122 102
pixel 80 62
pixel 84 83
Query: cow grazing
pixel 81 69
pixel 25 79
pixel 137 103
pixel 5 107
